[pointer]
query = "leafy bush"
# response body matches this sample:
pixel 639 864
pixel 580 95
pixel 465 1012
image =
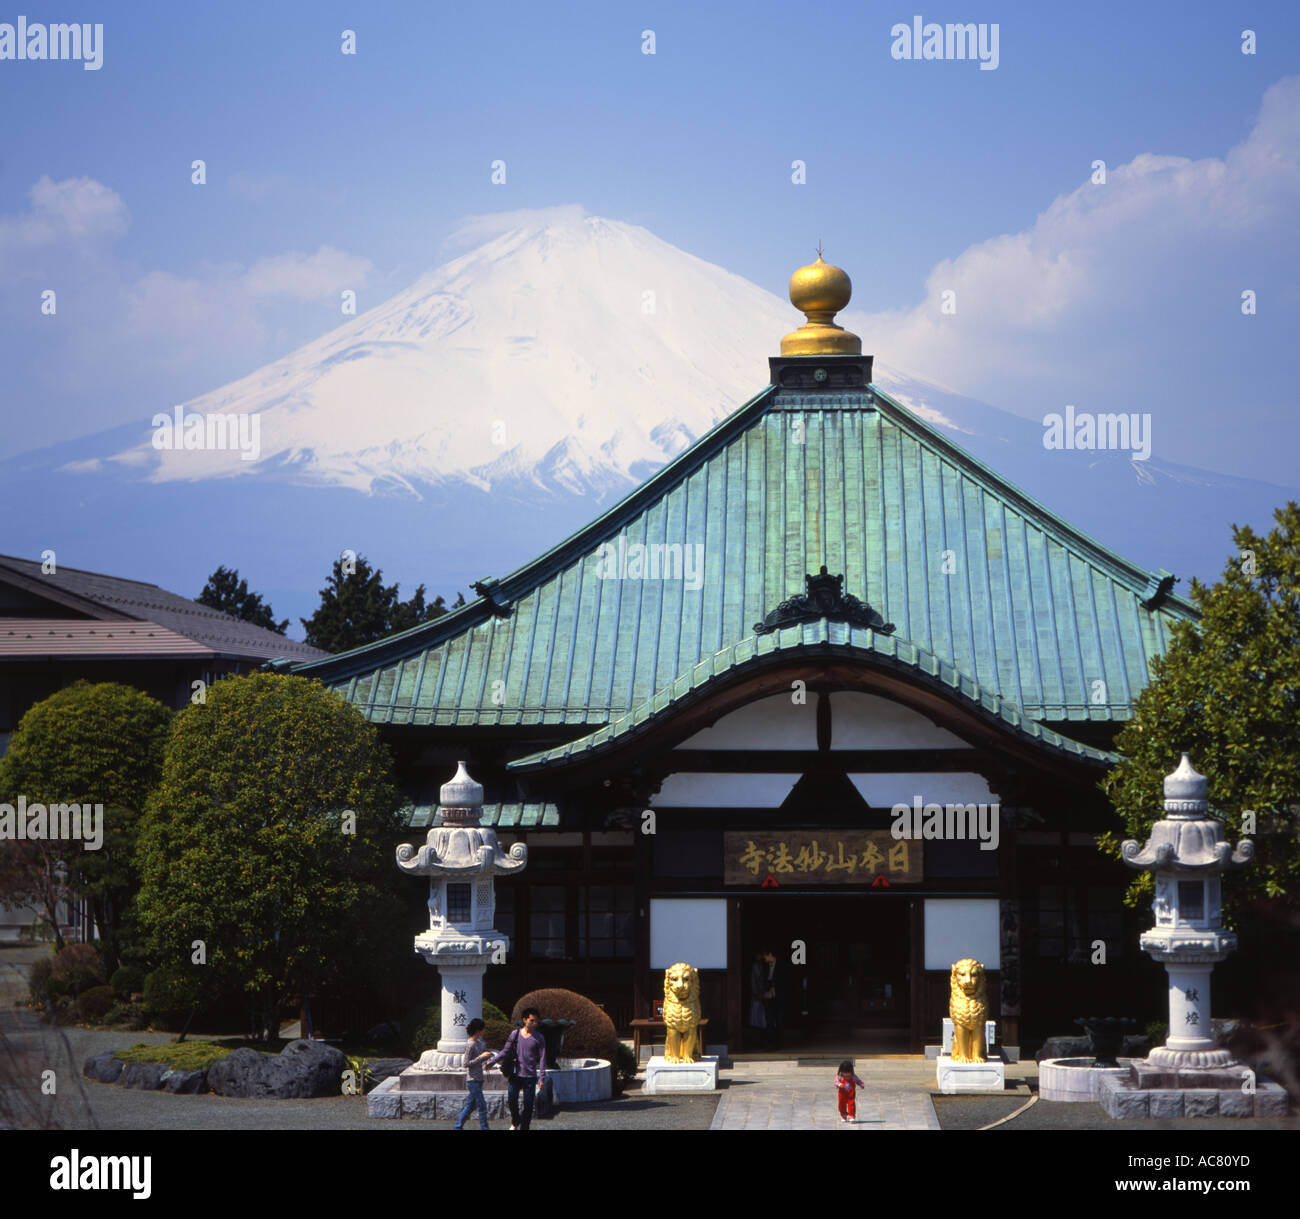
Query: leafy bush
pixel 127 981
pixel 38 981
pixel 93 1005
pixel 423 1026
pixel 593 1035
pixel 129 1015
pixel 77 968
pixel 1157 1032
pixel 624 1067
pixel 162 1005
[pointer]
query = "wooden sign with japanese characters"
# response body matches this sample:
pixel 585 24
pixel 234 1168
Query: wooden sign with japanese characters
pixel 825 857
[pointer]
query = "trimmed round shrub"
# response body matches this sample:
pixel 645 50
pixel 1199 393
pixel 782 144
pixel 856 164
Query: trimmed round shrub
pixel 94 1004
pixel 593 1035
pixel 127 981
pixel 78 967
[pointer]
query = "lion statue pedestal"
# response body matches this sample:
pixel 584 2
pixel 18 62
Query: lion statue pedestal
pixel 965 1065
pixel 683 1066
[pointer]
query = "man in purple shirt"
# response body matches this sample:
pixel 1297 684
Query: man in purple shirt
pixel 526 1051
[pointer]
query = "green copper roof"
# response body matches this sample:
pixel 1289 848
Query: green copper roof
pixel 971 572
pixel 502 816
pixel 836 638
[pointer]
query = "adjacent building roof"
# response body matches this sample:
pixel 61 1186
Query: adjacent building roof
pixel 82 595
pixel 46 638
pixel 1018 606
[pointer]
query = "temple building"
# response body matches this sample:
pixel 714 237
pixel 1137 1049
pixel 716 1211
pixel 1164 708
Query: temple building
pixel 824 684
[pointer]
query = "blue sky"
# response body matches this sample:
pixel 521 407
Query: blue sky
pixel 324 167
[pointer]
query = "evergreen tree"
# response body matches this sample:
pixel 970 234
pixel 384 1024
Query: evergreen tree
pixel 226 592
pixel 269 839
pixel 1227 691
pixel 357 609
pixel 88 744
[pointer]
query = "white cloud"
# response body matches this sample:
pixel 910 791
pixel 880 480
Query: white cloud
pixel 1040 306
pixel 307 277
pixel 74 208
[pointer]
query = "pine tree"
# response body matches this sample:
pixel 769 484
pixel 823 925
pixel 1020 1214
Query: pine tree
pixel 226 592
pixel 357 609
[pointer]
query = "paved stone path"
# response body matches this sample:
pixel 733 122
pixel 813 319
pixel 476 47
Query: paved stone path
pixel 782 1095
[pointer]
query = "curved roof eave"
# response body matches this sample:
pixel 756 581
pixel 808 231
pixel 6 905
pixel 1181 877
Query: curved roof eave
pixel 809 637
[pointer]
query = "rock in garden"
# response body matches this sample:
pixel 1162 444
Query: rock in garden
pixel 1065 1047
pixel 379 1069
pixel 144 1076
pixel 189 1082
pixel 312 1068
pixel 104 1068
pixel 302 1069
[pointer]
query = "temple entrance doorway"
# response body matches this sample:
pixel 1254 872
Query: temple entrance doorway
pixel 852 990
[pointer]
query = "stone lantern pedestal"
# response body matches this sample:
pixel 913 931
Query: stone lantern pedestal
pixel 461 858
pixel 1188 1076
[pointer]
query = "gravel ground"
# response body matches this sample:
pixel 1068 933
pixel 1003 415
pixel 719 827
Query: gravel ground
pixel 29 1048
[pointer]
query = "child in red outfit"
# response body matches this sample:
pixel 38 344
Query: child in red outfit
pixel 846 1089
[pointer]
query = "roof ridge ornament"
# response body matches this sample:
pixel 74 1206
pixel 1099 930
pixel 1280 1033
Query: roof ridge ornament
pixel 824 597
pixel 819 291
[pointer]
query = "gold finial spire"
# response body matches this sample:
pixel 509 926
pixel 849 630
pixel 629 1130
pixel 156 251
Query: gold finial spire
pixel 819 291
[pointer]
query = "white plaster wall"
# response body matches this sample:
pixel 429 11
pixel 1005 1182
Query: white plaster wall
pixel 956 928
pixel 690 929
pixel 886 790
pixel 713 790
pixel 867 721
pixel 770 723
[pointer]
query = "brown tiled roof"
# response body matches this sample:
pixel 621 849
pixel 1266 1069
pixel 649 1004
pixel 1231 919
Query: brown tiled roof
pixel 111 598
pixel 33 638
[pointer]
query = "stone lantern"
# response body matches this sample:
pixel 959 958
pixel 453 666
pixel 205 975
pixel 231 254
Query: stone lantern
pixel 461 858
pixel 1188 854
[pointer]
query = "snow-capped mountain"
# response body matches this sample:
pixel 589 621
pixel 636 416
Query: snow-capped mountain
pixel 469 422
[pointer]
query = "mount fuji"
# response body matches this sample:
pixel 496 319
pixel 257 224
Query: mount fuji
pixel 505 399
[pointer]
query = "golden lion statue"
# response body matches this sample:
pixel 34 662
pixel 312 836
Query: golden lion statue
pixel 968 1005
pixel 682 1013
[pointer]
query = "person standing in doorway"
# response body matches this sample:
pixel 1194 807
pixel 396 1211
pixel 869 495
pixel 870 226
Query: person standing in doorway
pixel 772 1000
pixel 525 1054
pixel 757 985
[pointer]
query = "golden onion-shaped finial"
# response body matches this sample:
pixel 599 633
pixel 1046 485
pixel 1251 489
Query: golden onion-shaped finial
pixel 819 291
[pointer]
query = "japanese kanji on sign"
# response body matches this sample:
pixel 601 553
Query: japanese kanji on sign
pixel 821 857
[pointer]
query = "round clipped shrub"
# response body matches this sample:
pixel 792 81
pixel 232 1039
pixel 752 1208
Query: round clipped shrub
pixel 593 1035
pixel 94 1004
pixel 77 968
pixel 127 981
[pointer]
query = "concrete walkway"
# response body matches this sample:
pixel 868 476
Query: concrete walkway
pixel 782 1095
